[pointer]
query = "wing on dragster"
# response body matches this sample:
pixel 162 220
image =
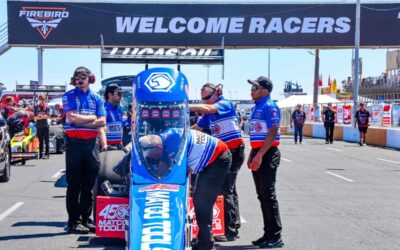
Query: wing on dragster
pixel 157 216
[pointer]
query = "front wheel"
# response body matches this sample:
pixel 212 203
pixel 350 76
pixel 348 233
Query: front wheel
pixel 7 167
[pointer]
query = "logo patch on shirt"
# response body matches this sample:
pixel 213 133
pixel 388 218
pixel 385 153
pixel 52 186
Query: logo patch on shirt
pixel 215 129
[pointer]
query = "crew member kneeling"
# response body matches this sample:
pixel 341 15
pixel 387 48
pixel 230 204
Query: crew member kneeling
pixel 210 159
pixel 85 114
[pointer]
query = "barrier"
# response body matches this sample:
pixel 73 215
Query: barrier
pixel 385 137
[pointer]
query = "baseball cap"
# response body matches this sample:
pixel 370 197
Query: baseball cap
pixel 82 71
pixel 330 104
pixel 263 82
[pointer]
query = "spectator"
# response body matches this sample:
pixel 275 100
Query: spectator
pixel 298 118
pixel 58 115
pixel 42 113
pixel 362 119
pixel 219 116
pixel 111 135
pixel 328 118
pixel 85 114
pixel 265 158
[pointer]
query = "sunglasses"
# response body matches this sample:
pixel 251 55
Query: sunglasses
pixel 255 88
pixel 81 77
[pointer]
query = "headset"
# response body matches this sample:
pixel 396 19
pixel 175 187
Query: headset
pixel 92 77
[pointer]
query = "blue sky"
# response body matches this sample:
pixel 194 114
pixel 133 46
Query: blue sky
pixel 20 65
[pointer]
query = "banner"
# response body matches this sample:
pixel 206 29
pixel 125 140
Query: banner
pixel 375 114
pixel 396 115
pixel 387 115
pixel 80 24
pixel 340 114
pixel 347 114
pixel 312 114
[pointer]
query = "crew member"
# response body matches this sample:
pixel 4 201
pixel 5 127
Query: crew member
pixel 265 158
pixel 8 108
pixel 85 114
pixel 209 158
pixel 58 115
pixel 42 113
pixel 111 135
pixel 127 127
pixel 362 119
pixel 298 118
pixel 18 121
pixel 219 116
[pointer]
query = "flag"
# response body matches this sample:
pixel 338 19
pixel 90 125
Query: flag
pixel 320 81
pixel 329 81
pixel 334 87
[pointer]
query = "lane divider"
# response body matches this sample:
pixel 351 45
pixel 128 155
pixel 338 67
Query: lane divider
pixel 334 149
pixel 10 210
pixel 284 159
pixel 395 162
pixel 58 174
pixel 339 176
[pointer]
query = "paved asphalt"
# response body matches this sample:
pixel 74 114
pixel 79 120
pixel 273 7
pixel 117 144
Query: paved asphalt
pixel 339 196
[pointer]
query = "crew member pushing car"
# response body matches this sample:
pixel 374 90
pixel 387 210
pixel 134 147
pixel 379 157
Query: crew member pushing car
pixel 85 114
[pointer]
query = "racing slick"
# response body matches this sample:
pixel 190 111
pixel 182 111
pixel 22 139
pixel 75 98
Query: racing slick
pixel 219 116
pixel 265 158
pixel 362 119
pixel 209 158
pixel 111 135
pixel 85 114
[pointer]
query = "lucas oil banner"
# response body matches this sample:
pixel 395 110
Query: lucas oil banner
pixel 72 23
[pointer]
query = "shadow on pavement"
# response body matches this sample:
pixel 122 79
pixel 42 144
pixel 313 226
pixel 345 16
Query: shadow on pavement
pixel 31 236
pixel 95 242
pixel 61 182
pixel 236 247
pixel 40 223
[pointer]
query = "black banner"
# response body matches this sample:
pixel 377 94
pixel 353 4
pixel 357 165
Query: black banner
pixel 64 24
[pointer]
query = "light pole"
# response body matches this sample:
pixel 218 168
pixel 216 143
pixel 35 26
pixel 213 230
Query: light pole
pixel 269 63
pixel 208 72
pixel 356 60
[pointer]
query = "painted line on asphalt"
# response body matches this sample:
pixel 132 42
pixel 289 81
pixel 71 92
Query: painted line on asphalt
pixel 284 159
pixel 10 210
pixel 242 220
pixel 334 149
pixel 339 176
pixel 395 162
pixel 58 174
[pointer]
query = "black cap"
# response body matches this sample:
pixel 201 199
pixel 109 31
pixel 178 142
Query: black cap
pixel 263 82
pixel 112 88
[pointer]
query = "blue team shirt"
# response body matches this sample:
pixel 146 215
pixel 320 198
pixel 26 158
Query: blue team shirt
pixel 82 103
pixel 264 115
pixel 223 124
pixel 113 123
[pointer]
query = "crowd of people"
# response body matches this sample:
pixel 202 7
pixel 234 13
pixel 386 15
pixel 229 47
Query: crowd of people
pixel 222 152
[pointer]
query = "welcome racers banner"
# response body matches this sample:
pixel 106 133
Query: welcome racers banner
pixel 65 24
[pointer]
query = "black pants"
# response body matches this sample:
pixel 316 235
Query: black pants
pixel 298 131
pixel 264 180
pixel 208 185
pixel 83 164
pixel 231 199
pixel 329 128
pixel 43 136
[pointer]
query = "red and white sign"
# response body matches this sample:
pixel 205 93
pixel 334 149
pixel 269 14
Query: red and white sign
pixel 218 217
pixel 387 115
pixel 312 114
pixel 346 114
pixel 110 216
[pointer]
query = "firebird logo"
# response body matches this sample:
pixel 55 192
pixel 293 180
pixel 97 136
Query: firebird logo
pixel 44 19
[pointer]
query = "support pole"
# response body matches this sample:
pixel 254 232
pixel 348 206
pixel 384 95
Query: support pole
pixel 40 65
pixel 269 63
pixel 356 61
pixel 316 79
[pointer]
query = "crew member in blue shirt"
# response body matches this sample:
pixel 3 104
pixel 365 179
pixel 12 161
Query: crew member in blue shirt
pixel 264 159
pixel 85 114
pixel 111 135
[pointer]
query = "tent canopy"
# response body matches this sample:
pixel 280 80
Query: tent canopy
pixel 293 100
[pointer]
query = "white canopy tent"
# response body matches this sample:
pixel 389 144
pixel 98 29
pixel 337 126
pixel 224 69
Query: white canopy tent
pixel 293 100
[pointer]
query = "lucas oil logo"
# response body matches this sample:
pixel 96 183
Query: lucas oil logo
pixel 159 82
pixel 44 19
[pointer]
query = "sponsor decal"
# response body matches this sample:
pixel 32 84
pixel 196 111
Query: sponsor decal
pixel 155 113
pixel 156 230
pixel 166 113
pixel 44 19
pixel 176 114
pixel 159 82
pixel 216 129
pixel 111 214
pixel 258 127
pixel 166 187
pixel 145 113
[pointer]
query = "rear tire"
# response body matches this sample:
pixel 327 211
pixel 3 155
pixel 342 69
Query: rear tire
pixel 108 160
pixel 7 168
